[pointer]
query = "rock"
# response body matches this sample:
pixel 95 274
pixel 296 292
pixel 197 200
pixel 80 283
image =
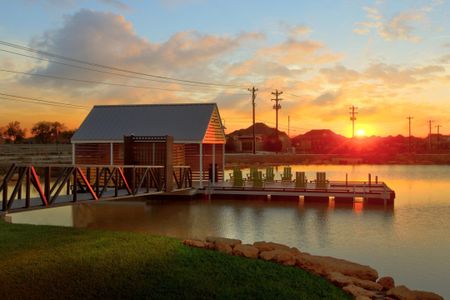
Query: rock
pixel 323 265
pixel 362 298
pixel 230 242
pixel 357 291
pixel 195 243
pixel 284 257
pixel 422 295
pixel 246 251
pixel 269 246
pixel 387 282
pixel 222 247
pixel 343 280
pixel 403 293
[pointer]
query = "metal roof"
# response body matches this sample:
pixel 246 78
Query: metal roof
pixel 185 122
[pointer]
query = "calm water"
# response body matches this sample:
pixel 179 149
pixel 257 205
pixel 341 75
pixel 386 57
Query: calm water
pixel 410 241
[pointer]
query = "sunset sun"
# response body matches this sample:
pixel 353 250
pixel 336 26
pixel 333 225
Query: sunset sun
pixel 360 132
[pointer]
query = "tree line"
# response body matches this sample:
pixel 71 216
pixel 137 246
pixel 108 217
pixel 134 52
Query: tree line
pixel 42 132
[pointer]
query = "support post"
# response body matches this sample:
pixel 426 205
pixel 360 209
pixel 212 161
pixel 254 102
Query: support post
pixel 111 154
pixel 28 187
pixel 213 164
pixel 75 187
pixel 47 183
pixel 223 162
pixel 5 196
pixel 201 165
pixel 169 164
pixel 73 154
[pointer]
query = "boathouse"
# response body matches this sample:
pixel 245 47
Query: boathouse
pixel 196 128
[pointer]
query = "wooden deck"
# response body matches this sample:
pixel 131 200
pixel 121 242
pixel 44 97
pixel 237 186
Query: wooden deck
pixel 335 190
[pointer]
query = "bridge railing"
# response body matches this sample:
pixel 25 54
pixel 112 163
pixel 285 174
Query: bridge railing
pixel 26 185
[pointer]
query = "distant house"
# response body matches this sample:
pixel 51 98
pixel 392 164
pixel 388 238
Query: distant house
pixel 242 140
pixel 197 131
pixel 318 141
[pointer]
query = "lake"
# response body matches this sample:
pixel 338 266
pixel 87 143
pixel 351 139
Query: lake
pixel 409 241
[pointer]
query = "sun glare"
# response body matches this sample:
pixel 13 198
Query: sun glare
pixel 360 132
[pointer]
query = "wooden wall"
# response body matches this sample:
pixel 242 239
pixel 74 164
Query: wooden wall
pixel 183 155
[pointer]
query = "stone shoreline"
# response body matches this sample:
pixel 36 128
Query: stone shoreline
pixel 360 281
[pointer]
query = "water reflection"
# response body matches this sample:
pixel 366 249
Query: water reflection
pixel 409 241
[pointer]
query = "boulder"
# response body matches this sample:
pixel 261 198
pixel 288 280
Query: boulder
pixel 362 298
pixel 357 291
pixel 403 293
pixel 195 243
pixel 387 282
pixel 284 257
pixel 323 265
pixel 422 295
pixel 269 246
pixel 246 251
pixel 230 242
pixel 222 247
pixel 343 280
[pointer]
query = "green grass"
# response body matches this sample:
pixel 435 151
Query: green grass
pixel 62 263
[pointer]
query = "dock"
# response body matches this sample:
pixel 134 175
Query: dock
pixel 28 187
pixel 339 191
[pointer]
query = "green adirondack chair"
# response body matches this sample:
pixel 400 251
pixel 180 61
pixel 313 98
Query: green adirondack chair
pixel 300 180
pixel 287 174
pixel 237 177
pixel 253 173
pixel 321 180
pixel 270 176
pixel 257 179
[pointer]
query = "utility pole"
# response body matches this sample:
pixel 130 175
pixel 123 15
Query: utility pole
pixel 253 90
pixel 289 126
pixel 438 140
pixel 277 106
pixel 353 113
pixel 430 123
pixel 409 132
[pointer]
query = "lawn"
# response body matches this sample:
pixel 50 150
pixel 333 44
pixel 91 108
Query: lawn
pixel 63 263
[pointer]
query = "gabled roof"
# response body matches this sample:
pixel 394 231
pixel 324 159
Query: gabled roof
pixel 185 122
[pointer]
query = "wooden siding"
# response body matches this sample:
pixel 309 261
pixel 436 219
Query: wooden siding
pixel 178 155
pixel 118 153
pixel 214 134
pixel 92 154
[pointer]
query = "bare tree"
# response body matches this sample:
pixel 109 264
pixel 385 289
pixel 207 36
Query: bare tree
pixel 13 133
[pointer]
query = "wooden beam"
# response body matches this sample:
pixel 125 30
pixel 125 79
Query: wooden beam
pixel 88 185
pixel 37 185
pixel 122 175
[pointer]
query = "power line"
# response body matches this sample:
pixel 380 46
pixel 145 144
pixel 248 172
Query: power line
pixel 430 123
pixel 105 72
pixel 16 46
pixel 353 113
pixel 409 132
pixel 24 99
pixel 102 82
pixel 253 90
pixel 277 106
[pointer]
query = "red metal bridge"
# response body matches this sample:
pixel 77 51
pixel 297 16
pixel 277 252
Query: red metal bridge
pixel 28 186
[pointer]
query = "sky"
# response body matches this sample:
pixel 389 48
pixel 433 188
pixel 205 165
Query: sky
pixel 389 58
